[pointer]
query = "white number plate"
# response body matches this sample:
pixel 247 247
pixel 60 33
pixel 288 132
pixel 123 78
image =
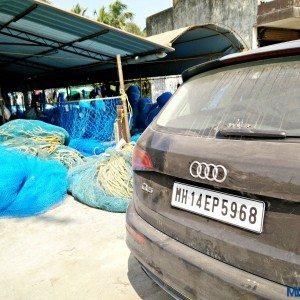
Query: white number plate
pixel 234 210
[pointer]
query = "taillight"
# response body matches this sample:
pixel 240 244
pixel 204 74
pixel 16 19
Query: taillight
pixel 141 160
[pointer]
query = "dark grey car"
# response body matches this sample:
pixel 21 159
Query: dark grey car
pixel 215 213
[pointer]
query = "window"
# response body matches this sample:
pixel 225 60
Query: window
pixel 260 95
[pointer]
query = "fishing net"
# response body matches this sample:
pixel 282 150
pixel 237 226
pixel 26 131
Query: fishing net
pixel 155 108
pixel 89 119
pixel 90 147
pixel 40 139
pixel 47 151
pixel 144 107
pixel 104 181
pixel 28 185
pixel 33 130
pixel 133 94
pixel 135 137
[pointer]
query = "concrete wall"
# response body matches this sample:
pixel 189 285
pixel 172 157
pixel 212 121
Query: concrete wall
pixel 160 22
pixel 240 16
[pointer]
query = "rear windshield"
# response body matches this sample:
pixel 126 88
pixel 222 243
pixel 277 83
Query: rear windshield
pixel 265 96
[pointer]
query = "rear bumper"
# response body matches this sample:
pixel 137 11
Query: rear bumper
pixel 189 272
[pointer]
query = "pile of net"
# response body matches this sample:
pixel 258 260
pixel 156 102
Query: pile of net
pixel 144 109
pixel 40 139
pixel 29 185
pixel 104 181
pixel 33 130
pixel 90 147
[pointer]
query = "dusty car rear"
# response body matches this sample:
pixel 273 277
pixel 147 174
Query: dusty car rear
pixel 215 213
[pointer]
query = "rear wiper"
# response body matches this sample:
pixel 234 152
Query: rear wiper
pixel 252 133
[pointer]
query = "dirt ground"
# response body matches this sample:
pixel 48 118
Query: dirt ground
pixel 71 252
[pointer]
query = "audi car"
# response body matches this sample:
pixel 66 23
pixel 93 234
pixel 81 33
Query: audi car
pixel 215 211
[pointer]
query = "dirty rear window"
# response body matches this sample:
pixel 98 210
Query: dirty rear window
pixel 265 96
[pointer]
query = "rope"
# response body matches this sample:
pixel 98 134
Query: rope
pixel 37 134
pixel 69 157
pixel 66 155
pixel 125 97
pixel 115 173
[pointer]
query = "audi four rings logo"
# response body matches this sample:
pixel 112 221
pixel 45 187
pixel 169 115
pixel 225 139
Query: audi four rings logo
pixel 210 172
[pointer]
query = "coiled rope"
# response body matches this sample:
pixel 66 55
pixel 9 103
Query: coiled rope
pixel 115 173
pixel 66 155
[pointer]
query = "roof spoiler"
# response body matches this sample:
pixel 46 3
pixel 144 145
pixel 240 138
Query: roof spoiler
pixel 207 66
pixel 274 51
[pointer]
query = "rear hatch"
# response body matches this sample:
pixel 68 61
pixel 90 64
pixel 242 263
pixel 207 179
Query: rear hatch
pixel 205 122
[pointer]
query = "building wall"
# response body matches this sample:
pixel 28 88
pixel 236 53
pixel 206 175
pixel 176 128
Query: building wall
pixel 160 22
pixel 160 85
pixel 240 16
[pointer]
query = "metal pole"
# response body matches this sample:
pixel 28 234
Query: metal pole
pixel 123 98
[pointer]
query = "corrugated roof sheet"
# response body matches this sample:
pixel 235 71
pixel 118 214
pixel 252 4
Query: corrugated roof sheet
pixel 167 38
pixel 193 45
pixel 36 37
pixel 206 36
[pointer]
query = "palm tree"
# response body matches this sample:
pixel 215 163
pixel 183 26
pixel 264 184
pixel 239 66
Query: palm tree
pixel 77 9
pixel 117 15
pixel 46 1
pixel 103 16
pixel 134 28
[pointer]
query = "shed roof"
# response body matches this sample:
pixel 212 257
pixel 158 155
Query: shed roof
pixel 193 45
pixel 37 38
pixel 209 38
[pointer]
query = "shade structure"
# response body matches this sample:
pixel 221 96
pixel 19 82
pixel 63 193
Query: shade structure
pixel 38 40
pixel 193 45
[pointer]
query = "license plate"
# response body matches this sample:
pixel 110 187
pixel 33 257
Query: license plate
pixel 234 210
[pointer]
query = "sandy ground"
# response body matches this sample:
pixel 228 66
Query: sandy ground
pixel 71 252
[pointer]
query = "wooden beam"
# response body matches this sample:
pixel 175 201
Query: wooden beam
pixel 125 121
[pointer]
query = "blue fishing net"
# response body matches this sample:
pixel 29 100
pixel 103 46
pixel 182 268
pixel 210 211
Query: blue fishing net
pixel 28 185
pixel 90 147
pixel 46 151
pixel 163 99
pixel 105 181
pixel 144 107
pixel 134 94
pixel 153 112
pixel 89 119
pixel 39 139
pixel 135 137
pixel 157 107
pixel 33 130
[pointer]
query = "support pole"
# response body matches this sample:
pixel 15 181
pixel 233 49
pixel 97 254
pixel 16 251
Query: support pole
pixel 125 121
pixel 67 97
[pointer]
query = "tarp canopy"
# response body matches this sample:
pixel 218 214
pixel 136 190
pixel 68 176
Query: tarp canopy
pixel 40 41
pixel 193 45
pixel 42 46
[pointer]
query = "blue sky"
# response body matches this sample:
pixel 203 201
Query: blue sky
pixel 141 8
